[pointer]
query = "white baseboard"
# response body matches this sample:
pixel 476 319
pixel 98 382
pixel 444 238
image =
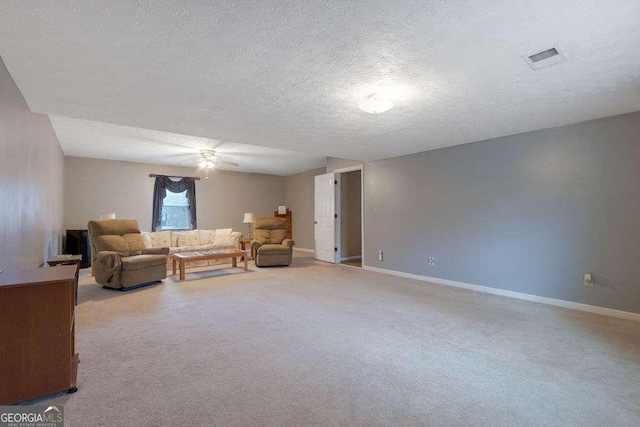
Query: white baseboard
pixel 518 295
pixel 304 250
pixel 348 258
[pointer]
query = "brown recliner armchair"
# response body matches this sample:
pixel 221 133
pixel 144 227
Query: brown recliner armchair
pixel 270 243
pixel 119 259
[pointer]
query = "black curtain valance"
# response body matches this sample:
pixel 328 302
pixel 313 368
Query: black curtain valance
pixel 164 183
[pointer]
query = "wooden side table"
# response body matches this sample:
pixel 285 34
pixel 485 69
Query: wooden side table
pixel 243 246
pixel 38 333
pixel 65 260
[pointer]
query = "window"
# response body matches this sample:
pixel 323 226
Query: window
pixel 174 212
pixel 174 204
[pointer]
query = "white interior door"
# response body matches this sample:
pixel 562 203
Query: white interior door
pixel 325 222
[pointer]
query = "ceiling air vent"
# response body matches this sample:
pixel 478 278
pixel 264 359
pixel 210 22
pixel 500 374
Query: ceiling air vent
pixel 546 58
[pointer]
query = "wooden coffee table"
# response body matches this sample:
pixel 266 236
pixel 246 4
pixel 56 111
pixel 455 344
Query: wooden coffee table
pixel 185 257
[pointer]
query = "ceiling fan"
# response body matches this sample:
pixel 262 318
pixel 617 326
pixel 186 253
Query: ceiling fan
pixel 209 160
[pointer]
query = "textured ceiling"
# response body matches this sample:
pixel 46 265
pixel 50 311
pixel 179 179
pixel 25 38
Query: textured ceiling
pixel 83 138
pixel 290 74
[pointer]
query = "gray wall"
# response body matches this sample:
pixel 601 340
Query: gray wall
pixel 300 200
pixel 94 187
pixel 350 210
pixel 31 190
pixel 528 213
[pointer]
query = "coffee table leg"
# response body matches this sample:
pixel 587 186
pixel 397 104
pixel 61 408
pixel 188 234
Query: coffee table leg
pixel 234 262
pixel 174 266
pixel 181 269
pixel 245 262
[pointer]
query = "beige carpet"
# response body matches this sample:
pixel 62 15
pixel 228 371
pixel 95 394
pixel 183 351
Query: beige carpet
pixel 316 344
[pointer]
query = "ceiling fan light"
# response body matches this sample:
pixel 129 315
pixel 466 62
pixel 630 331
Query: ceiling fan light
pixel 206 153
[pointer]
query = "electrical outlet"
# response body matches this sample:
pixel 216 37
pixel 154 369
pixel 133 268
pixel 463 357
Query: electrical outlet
pixel 587 280
pixel 431 260
pixel 380 256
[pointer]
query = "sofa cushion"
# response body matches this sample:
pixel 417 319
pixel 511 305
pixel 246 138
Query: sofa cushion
pixel 136 245
pixel 112 242
pixel 181 249
pixel 199 248
pixel 223 237
pixel 216 247
pixel 142 261
pixel 160 239
pixel 188 238
pixel 207 237
pixel 274 249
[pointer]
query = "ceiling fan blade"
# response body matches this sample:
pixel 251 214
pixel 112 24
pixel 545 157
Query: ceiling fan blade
pixel 186 159
pixel 178 140
pixel 224 162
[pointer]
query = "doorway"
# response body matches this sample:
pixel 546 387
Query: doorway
pixel 350 217
pixel 338 221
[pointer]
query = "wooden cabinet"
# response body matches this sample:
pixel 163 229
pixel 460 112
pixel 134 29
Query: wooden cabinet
pixel 287 216
pixel 37 332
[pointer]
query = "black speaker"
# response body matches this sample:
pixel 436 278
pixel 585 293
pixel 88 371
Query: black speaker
pixel 77 243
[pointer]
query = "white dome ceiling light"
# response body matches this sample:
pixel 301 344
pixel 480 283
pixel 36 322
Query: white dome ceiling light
pixel 376 104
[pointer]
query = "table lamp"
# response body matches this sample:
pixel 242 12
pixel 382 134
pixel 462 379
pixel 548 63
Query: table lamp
pixel 248 219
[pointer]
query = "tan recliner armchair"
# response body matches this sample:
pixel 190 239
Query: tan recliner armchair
pixel 119 259
pixel 270 243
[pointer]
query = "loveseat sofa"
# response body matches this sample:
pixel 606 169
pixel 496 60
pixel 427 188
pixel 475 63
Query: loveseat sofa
pixel 193 241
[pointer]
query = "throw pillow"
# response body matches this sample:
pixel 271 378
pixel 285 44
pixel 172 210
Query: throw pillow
pixel 229 240
pixel 222 237
pixel 207 237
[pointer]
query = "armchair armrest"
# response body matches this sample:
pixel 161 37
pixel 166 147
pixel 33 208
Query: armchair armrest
pixel 156 251
pixel 288 242
pixel 107 267
pixel 255 245
pixel 109 258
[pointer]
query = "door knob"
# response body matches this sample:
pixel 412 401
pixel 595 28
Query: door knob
pixel 315 222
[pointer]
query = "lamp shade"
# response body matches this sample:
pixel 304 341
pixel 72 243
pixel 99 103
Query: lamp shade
pixel 108 216
pixel 248 218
